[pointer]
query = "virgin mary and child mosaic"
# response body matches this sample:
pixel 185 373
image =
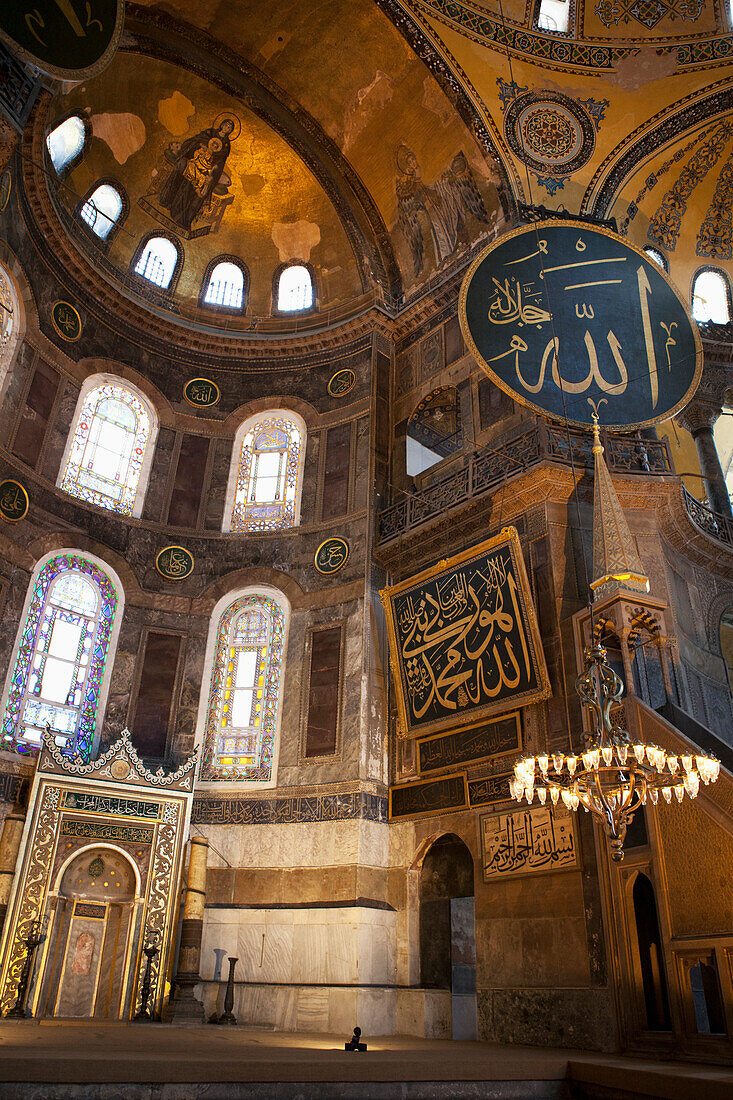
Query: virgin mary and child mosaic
pixel 190 190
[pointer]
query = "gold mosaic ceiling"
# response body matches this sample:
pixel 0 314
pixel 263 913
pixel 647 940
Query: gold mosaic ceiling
pixel 604 120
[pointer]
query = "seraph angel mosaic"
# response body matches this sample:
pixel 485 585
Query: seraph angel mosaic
pixel 190 189
pixel 441 208
pixel 61 658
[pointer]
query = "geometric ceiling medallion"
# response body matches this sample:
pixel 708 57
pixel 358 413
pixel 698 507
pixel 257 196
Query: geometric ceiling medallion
pixel 550 132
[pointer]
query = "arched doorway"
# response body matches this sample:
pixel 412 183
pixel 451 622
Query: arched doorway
pixel 448 929
pixel 651 957
pixel 90 933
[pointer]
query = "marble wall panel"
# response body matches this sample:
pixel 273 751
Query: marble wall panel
pixel 15 387
pixel 57 431
pixel 160 472
pixel 320 946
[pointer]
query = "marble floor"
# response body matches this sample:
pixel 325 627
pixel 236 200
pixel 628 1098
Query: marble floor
pixel 86 1060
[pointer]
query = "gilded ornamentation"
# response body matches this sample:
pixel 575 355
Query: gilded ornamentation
pixel 180 779
pixel 647 12
pixel 89 831
pixel 714 238
pixel 664 228
pixel 331 556
pixel 550 132
pixel 160 900
pixel 13 501
pixel 175 563
pixel 33 892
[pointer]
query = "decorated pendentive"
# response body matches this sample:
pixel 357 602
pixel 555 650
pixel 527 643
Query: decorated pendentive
pixel 550 132
pixel 67 40
pixel 66 321
pixel 331 556
pixel 175 563
pixel 202 393
pixel 570 319
pixel 6 186
pixel 342 382
pixel 13 501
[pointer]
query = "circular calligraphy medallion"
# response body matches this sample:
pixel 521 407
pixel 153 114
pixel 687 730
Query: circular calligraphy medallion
pixel 66 321
pixel 331 556
pixel 66 40
pixel 569 318
pixel 202 393
pixel 6 186
pixel 342 382
pixel 13 501
pixel 550 132
pixel 175 563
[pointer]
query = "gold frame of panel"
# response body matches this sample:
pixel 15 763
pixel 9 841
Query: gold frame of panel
pixel 507 536
pixel 101 811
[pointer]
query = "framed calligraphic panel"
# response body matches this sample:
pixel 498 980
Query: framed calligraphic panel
pixel 493 738
pixel 489 789
pixel 463 639
pixel 429 796
pixel 528 841
pixel 569 318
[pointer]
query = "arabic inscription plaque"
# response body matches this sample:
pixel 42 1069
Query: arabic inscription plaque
pixel 331 556
pixel 13 501
pixel 500 736
pixel 527 841
pixel 568 318
pixel 174 563
pixel 66 321
pixel 463 639
pixel 202 393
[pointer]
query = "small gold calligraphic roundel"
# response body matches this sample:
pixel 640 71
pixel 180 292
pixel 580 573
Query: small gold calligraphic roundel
pixel 66 321
pixel 342 382
pixel 331 556
pixel 13 501
pixel 202 393
pixel 175 563
pixel 119 769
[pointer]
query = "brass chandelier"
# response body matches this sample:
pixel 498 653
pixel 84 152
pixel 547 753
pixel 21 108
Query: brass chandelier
pixel 614 774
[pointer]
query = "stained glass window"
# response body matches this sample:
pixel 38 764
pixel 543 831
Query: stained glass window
pixel 102 209
pixel 656 255
pixel 294 289
pixel 244 700
pixel 268 475
pixel 61 657
pixel 7 317
pixel 66 141
pixel 107 449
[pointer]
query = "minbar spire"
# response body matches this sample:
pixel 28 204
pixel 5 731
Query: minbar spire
pixel 616 563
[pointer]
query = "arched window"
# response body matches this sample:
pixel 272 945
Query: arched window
pixel 158 261
pixel 267 472
pixel 294 289
pixel 111 438
pixel 9 322
pixel 553 15
pixel 225 285
pixel 65 143
pixel 656 255
pixel 434 430
pixel 243 712
pixel 710 298
pixel 61 655
pixel 102 209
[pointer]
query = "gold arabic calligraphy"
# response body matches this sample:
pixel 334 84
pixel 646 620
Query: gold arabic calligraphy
pixel 520 301
pixel 528 841
pixel 456 641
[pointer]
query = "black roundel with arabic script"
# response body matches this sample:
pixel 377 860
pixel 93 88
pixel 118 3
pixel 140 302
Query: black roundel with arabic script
pixel 570 320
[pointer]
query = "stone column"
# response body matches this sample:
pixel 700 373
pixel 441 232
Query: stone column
pixel 9 848
pixel 185 1005
pixel 698 419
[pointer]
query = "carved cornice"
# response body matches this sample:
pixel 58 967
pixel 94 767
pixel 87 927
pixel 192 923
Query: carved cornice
pixel 111 765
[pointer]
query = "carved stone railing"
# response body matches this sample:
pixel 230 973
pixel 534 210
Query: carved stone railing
pixel 488 468
pixel 711 523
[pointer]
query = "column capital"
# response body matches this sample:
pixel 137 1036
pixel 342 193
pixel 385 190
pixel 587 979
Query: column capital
pixel 699 416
